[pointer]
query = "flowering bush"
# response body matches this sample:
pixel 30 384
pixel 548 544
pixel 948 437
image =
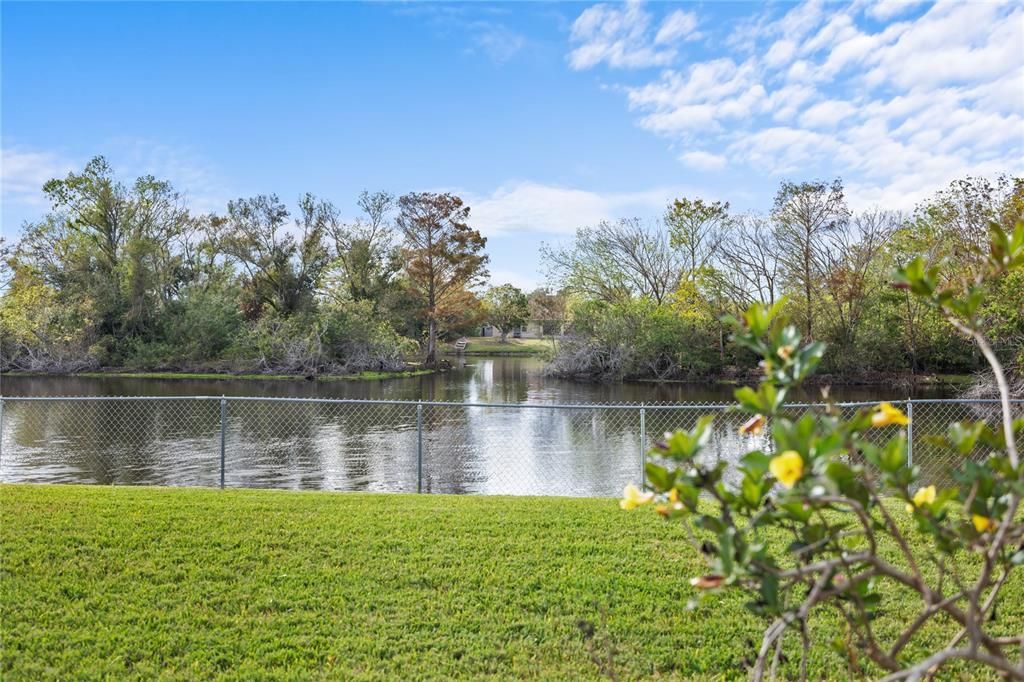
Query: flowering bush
pixel 836 493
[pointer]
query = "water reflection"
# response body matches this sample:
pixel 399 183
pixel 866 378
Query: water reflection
pixel 347 446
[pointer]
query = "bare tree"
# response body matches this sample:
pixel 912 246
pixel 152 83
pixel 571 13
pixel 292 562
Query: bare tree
pixel 615 261
pixel 751 260
pixel 848 263
pixel 806 214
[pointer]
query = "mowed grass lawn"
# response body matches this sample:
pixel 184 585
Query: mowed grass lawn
pixel 483 345
pixel 241 584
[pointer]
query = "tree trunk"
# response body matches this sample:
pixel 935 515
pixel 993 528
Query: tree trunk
pixel 808 236
pixel 431 359
pixel 504 335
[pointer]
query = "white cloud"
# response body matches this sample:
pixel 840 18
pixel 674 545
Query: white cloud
pixel 523 282
pixel 887 9
pixel 531 207
pixel 488 36
pixel 895 106
pixel 827 114
pixel 23 173
pixel 787 101
pixel 783 150
pixel 186 169
pixel 708 93
pixel 800 20
pixel 952 43
pixel 25 170
pixel 616 35
pixel 678 25
pixel 780 52
pixel 497 41
pixel 703 160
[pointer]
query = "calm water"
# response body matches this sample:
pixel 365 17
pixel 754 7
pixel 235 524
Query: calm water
pixel 310 445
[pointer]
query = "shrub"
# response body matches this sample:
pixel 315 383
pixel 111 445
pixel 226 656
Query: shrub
pixel 836 492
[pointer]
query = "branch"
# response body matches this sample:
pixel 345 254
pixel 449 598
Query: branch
pixel 936 661
pixel 1004 387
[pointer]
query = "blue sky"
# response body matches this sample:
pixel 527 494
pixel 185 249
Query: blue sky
pixel 544 117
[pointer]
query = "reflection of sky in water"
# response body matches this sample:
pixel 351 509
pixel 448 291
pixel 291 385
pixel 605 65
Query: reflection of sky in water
pixel 534 450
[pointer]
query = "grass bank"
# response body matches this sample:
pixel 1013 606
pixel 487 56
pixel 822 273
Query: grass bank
pixel 492 345
pixel 195 584
pixel 361 376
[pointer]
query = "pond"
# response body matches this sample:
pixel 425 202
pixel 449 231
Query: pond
pixel 472 379
pixel 303 444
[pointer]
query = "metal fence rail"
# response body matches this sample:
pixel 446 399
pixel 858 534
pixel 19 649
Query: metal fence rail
pixel 390 445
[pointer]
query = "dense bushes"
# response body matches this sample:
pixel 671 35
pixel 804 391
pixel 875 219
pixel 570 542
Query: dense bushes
pixel 634 339
pixel 125 276
pixel 835 484
pixel 644 301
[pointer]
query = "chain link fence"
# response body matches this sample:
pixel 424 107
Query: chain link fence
pixel 392 446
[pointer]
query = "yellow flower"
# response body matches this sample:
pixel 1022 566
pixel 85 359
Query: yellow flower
pixel 983 524
pixel 785 352
pixel 787 467
pixel 753 426
pixel 885 414
pixel 633 497
pixel 921 497
pixel 667 509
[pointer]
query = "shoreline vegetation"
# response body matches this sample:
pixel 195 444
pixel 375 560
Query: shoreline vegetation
pixel 120 373
pixel 900 380
pixel 103 282
pixel 896 379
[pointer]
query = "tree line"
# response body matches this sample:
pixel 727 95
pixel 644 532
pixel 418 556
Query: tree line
pixel 125 275
pixel 645 300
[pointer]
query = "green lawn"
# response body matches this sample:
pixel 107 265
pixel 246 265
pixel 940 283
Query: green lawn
pixel 492 345
pixel 195 584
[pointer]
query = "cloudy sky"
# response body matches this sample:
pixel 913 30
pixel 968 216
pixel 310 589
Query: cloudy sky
pixel 544 117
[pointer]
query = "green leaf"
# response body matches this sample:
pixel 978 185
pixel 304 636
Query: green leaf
pixel 753 491
pixel 726 550
pixel 756 463
pixel 839 472
pixel 660 478
pixel 894 455
pixel 796 511
pixel 770 591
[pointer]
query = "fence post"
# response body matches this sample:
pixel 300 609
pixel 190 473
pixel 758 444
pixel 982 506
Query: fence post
pixel 419 446
pixel 223 434
pixel 643 447
pixel 910 433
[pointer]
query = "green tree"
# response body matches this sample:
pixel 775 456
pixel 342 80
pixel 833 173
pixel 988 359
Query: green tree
pixel 549 309
pixel 367 255
pixel 507 307
pixel 806 215
pixel 613 261
pixel 281 272
pixel 828 482
pixel 699 229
